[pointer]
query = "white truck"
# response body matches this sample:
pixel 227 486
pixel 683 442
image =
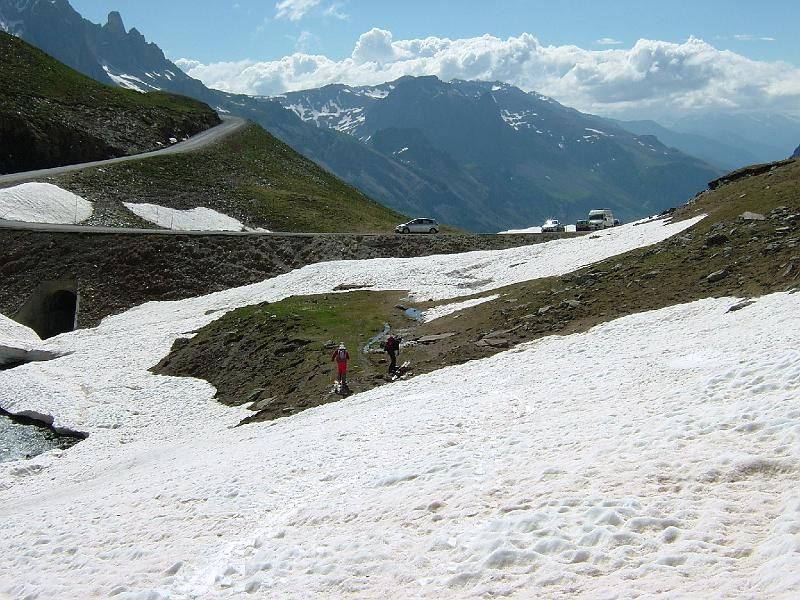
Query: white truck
pixel 601 218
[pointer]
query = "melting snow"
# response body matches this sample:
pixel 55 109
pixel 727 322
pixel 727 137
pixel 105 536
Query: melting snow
pixel 195 219
pixel 656 452
pixel 446 309
pixel 43 203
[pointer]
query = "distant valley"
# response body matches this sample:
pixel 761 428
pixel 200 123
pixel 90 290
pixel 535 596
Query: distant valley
pixel 478 155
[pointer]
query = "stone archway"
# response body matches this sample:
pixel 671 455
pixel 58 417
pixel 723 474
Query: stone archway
pixel 51 309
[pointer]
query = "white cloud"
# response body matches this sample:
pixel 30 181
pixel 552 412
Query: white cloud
pixel 606 41
pixel 746 37
pixel 294 10
pixel 336 11
pixel 648 80
pixel 306 41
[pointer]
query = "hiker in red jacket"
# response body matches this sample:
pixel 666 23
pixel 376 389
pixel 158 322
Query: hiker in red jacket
pixel 341 356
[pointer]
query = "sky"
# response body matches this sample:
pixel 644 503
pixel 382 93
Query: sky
pixel 627 59
pixel 675 471
pixel 264 31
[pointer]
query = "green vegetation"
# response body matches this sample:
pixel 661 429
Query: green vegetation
pixel 725 254
pixel 251 176
pixel 36 81
pixel 51 115
pixel 279 354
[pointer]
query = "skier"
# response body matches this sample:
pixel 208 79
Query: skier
pixel 392 348
pixel 341 356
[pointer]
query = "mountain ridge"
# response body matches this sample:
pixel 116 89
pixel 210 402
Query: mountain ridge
pixel 51 115
pixel 477 191
pixel 525 156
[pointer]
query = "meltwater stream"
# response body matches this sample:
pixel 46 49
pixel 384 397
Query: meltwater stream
pixel 20 439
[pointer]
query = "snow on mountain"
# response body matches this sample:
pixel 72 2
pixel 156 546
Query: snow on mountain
pixel 658 452
pixel 43 203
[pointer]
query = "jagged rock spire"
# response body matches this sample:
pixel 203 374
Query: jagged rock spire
pixel 115 24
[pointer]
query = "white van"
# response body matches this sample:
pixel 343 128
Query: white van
pixel 601 218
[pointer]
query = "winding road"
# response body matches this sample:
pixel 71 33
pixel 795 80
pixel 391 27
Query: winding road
pixel 228 126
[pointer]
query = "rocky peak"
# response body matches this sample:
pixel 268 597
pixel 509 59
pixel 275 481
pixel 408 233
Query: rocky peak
pixel 114 25
pixel 796 153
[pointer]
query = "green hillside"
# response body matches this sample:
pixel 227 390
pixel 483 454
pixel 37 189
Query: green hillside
pixel 745 247
pixel 250 176
pixel 51 115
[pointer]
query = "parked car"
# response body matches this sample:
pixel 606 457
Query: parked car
pixel 582 225
pixel 418 226
pixel 601 218
pixel 552 225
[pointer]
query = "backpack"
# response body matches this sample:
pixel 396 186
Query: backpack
pixel 341 355
pixel 391 344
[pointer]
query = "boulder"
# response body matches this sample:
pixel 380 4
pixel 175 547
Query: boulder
pixel 717 276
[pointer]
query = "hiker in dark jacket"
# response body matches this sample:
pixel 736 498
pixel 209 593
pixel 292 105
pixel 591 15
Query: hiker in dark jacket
pixel 392 347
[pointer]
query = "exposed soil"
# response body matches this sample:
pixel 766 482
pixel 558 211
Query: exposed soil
pixel 280 360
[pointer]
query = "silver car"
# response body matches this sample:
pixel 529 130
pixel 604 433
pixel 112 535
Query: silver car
pixel 418 226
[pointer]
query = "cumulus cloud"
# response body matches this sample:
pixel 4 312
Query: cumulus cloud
pixel 294 10
pixel 648 80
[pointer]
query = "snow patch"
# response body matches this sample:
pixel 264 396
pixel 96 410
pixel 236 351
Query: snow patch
pixel 447 309
pixel 195 219
pixel 43 203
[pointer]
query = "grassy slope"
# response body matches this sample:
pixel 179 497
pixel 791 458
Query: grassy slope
pixel 759 257
pixel 251 176
pixel 66 115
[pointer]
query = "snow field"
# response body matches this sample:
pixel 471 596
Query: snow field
pixel 195 219
pixel 43 203
pixel 656 454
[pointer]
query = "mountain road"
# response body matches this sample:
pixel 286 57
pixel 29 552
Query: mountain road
pixel 228 126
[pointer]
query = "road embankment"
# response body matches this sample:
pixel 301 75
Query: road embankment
pixel 116 271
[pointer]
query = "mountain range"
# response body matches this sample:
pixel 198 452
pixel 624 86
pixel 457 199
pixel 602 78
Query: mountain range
pixel 504 155
pixel 483 156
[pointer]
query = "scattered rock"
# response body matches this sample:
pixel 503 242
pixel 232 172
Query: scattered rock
pixel 570 304
pixel 430 339
pixel 263 403
pixel 741 305
pixel 543 310
pixel 718 239
pixel 751 216
pixel 717 276
pixel 493 342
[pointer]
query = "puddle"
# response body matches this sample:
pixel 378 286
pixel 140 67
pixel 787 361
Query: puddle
pixel 414 313
pixel 22 438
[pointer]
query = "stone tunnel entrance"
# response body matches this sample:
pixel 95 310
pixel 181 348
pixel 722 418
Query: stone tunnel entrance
pixel 51 309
